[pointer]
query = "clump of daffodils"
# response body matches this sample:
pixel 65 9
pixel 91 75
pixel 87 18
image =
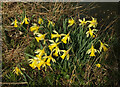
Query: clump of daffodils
pixel 91 25
pixel 24 21
pixel 42 58
pixel 92 33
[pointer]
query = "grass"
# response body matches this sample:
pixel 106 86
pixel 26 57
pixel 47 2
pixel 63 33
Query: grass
pixel 78 71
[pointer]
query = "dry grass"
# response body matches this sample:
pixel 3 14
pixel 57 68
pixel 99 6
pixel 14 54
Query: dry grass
pixel 51 10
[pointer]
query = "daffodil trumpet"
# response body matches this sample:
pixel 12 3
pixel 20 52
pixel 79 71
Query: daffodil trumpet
pixel 25 20
pixel 65 53
pixel 92 51
pixel 40 21
pixel 15 23
pixel 40 37
pixel 71 22
pixel 98 65
pixel 35 27
pixel 56 51
pixel 91 32
pixel 65 38
pixel 103 46
pixel 56 35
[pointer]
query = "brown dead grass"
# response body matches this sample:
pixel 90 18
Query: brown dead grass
pixel 10 9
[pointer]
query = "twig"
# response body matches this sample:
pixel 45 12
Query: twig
pixel 13 83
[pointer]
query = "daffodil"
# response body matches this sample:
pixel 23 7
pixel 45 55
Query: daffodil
pixel 17 70
pixel 43 63
pixel 93 23
pixel 50 22
pixel 34 62
pixel 70 22
pixel 50 57
pixel 48 62
pixel 40 21
pixel 25 20
pixel 53 45
pixel 34 27
pixel 57 51
pixel 83 22
pixel 65 53
pixel 92 50
pixel 56 35
pixel 40 52
pixel 65 38
pixel 98 65
pixel 15 23
pixel 91 32
pixel 103 46
pixel 40 37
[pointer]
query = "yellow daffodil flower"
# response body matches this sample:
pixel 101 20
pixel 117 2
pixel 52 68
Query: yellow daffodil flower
pixel 67 37
pixel 92 51
pixel 40 37
pixel 40 52
pixel 25 20
pixel 50 57
pixel 91 32
pixel 34 27
pixel 18 71
pixel 40 21
pixel 50 22
pixel 70 22
pixel 65 53
pixel 83 22
pixel 98 65
pixel 103 46
pixel 43 63
pixel 34 62
pixel 48 62
pixel 56 35
pixel 57 50
pixel 15 23
pixel 53 45
pixel 93 23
